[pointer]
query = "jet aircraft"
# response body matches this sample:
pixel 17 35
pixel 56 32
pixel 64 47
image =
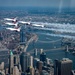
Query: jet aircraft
pixel 14 29
pixel 38 25
pixel 14 20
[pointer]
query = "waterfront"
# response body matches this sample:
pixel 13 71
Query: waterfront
pixel 52 54
pixel 45 41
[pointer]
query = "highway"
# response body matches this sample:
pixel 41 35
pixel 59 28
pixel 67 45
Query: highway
pixel 33 38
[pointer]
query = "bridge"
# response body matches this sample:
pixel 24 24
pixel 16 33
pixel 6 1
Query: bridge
pixel 49 41
pixel 47 50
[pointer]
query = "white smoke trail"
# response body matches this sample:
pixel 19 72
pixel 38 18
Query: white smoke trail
pixel 63 28
pixel 56 30
pixel 59 35
pixel 57 25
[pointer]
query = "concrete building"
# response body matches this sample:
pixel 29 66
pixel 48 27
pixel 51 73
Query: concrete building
pixel 11 63
pixel 22 34
pixel 23 61
pixel 39 66
pixel 4 56
pixel 6 71
pixel 30 63
pixel 63 67
pixel 44 72
pixel 35 62
pixel 31 71
pixel 35 53
pixel 36 72
pixel 16 59
pixel 26 61
pixel 2 66
pixel 43 57
pixel 16 70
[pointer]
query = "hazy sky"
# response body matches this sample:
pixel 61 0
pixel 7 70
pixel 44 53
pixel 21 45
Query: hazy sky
pixel 43 3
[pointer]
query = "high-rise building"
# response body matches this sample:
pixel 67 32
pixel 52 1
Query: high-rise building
pixel 16 59
pixel 22 34
pixel 35 62
pixel 36 72
pixel 2 73
pixel 2 66
pixel 16 70
pixel 30 61
pixel 43 57
pixel 39 66
pixel 47 60
pixel 4 56
pixel 19 67
pixel 26 61
pixel 56 67
pixel 41 51
pixel 44 72
pixel 23 60
pixel 11 62
pixel 31 71
pixel 35 53
pixel 6 71
pixel 63 67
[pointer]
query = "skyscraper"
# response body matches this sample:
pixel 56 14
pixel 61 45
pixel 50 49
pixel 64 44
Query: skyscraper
pixel 30 61
pixel 23 60
pixel 35 53
pixel 16 59
pixel 26 61
pixel 31 71
pixel 4 56
pixel 63 67
pixel 16 70
pixel 22 34
pixel 39 66
pixel 35 62
pixel 48 61
pixel 11 62
pixel 43 57
pixel 2 66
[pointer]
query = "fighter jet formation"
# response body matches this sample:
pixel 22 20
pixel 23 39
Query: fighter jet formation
pixel 14 22
pixel 58 29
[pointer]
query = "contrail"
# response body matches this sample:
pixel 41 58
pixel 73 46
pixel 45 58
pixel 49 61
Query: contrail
pixel 58 35
pixel 57 25
pixel 56 30
pixel 63 28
